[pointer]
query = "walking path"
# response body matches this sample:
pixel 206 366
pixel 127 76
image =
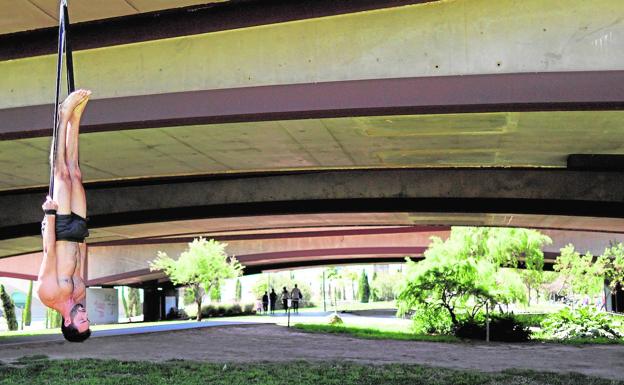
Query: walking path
pixel 226 342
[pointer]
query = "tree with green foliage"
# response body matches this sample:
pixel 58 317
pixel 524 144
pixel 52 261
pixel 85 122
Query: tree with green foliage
pixel 277 282
pixel 333 276
pixel 238 292
pixel 53 319
pixel 462 274
pixel 203 266
pixel 384 286
pixel 26 316
pixel 124 302
pixel 134 302
pixel 580 272
pixel 364 288
pixel 215 293
pixel 611 265
pixel 9 309
pixel 532 280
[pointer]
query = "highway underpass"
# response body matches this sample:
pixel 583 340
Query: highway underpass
pixel 318 132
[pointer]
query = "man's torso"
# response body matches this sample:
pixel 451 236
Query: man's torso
pixel 54 290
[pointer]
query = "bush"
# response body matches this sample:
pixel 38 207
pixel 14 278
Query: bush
pixel 9 309
pixel 505 328
pixel 531 320
pixel 582 322
pixel 431 320
pixel 335 319
pixel 226 310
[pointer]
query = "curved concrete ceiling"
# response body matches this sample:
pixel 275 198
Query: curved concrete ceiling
pixel 35 14
pixel 193 125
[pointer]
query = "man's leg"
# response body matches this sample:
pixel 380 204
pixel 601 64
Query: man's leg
pixel 62 180
pixel 78 201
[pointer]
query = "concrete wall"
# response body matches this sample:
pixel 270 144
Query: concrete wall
pixel 433 39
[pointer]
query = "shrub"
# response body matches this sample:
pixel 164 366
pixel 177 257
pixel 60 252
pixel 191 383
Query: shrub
pixel 431 320
pixel 335 319
pixel 582 322
pixel 531 320
pixel 504 328
pixel 226 310
pixel 249 309
pixel 9 309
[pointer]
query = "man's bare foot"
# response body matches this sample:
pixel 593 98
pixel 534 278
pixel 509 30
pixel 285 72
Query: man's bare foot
pixel 75 100
pixel 80 107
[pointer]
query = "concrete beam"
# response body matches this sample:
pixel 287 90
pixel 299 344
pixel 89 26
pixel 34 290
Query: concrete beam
pixel 423 95
pixel 509 191
pixel 445 38
pixel 192 20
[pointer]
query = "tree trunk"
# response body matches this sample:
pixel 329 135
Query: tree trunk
pixel 199 314
pixel 198 300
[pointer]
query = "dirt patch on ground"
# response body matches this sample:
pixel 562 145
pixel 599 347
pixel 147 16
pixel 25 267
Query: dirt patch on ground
pixel 256 343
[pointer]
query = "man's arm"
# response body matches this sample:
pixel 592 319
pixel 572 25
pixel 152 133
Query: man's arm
pixel 78 276
pixel 48 264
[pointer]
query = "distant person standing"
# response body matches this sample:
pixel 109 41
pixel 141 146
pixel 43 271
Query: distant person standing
pixel 295 296
pixel 265 303
pixel 285 297
pixel 273 300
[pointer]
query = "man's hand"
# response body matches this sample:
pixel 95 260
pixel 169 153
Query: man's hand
pixel 49 204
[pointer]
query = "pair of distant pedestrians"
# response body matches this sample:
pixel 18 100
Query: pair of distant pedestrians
pixel 295 296
pixel 269 300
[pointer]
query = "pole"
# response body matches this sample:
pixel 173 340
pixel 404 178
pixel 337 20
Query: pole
pixel 487 321
pixel 324 303
pixel 269 291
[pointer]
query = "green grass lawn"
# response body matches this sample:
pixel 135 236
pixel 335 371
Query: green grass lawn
pixel 39 370
pixel 372 333
pixel 376 333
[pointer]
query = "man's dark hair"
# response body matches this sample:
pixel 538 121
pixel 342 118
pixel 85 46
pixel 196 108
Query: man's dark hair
pixel 70 332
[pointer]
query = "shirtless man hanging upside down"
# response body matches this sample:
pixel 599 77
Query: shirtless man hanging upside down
pixel 64 227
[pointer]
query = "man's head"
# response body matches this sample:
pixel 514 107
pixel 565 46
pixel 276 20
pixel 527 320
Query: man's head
pixel 76 328
pixel 295 285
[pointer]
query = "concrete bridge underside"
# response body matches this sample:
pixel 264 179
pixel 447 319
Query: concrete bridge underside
pixel 305 242
pixel 244 118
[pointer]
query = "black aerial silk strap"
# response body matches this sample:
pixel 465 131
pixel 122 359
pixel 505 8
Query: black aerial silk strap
pixel 63 47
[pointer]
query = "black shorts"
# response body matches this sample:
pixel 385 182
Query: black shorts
pixel 71 227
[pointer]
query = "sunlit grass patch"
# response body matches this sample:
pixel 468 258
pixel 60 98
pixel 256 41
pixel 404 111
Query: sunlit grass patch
pixel 371 333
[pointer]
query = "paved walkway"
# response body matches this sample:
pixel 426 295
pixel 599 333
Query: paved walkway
pixel 261 343
pixel 165 327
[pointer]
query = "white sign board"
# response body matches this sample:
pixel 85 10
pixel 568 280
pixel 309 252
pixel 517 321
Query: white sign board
pixel 102 306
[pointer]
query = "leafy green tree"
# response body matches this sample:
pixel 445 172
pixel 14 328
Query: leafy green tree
pixel 532 280
pixel 9 309
pixel 611 265
pixel 580 272
pixel 53 319
pixel 26 317
pixel 333 276
pixel 202 266
pixel 239 291
pixel 134 302
pixel 279 281
pixel 459 276
pixel 215 293
pixel 384 286
pixel 124 302
pixel 364 288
